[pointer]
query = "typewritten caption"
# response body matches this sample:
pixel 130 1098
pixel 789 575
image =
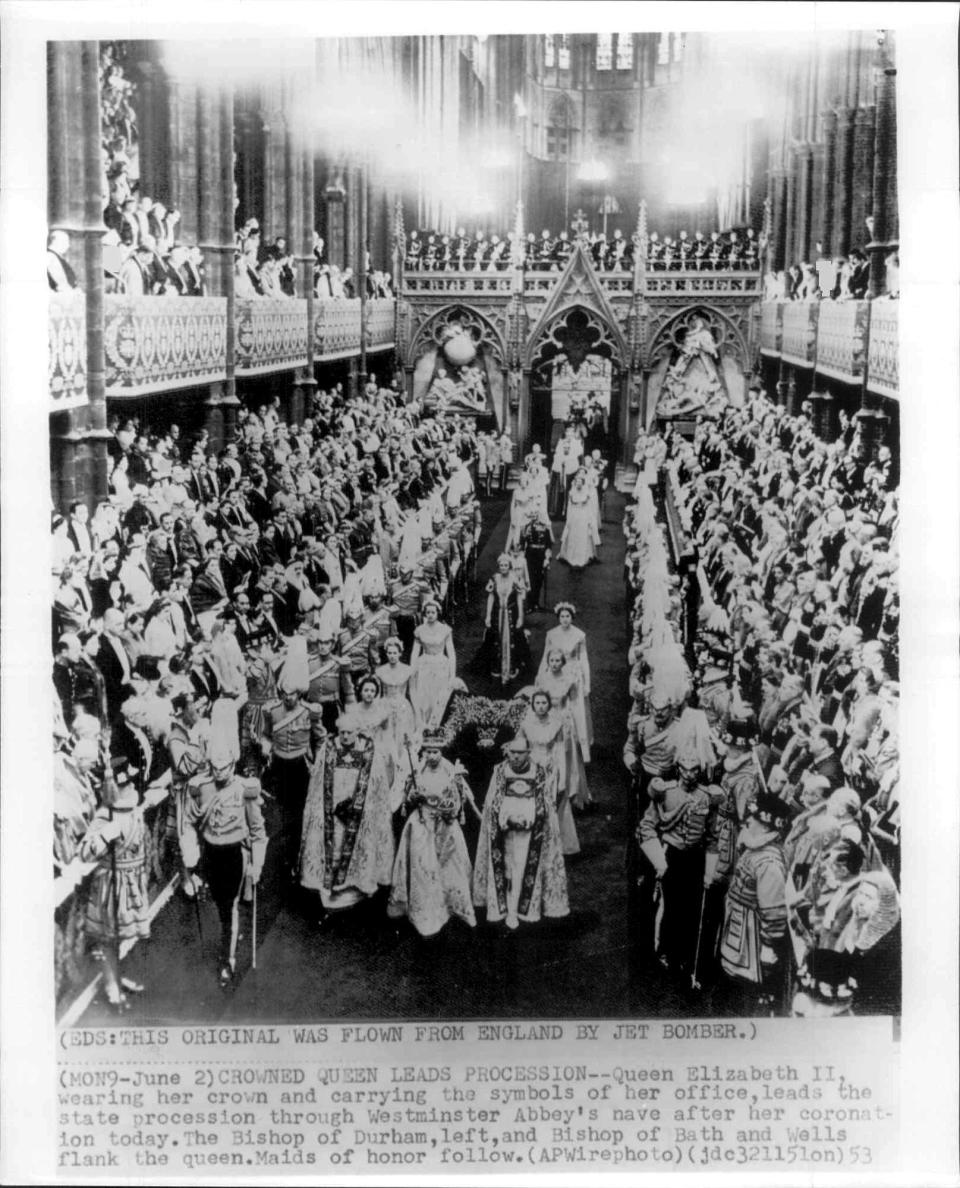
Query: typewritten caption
pixel 489 1097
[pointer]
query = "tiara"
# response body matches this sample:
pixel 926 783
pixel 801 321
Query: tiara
pixel 565 606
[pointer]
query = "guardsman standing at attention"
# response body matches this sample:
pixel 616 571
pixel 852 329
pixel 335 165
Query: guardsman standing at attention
pixel 328 678
pixel 228 833
pixel 292 731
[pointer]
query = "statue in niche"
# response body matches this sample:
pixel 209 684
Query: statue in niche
pixel 693 384
pixel 459 383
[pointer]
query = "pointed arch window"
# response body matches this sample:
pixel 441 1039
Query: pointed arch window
pixel 604 51
pixel 624 55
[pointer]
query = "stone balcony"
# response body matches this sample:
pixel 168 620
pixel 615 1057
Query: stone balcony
pixel 156 344
pixel 271 334
pixel 883 361
pixel 853 341
pixel 152 344
pixel 67 351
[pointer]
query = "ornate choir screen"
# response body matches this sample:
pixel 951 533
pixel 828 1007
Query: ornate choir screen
pixel 459 366
pixel 698 361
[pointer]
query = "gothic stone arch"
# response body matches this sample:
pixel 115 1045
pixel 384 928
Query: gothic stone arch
pixel 479 327
pixel 594 335
pixel 727 334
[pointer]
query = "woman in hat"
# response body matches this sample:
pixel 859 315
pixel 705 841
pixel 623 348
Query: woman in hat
pixel 572 642
pixel 432 873
pixel 504 652
pixel 434 667
pixel 519 873
pixel 117 905
pixel 581 536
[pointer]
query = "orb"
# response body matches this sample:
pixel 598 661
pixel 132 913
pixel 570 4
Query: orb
pixel 460 349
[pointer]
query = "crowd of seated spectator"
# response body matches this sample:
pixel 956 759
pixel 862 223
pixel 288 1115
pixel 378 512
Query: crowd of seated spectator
pixel 202 563
pixel 794 657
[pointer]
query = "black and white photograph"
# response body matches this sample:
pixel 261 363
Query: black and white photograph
pixel 473 512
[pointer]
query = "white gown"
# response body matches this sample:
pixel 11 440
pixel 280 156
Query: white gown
pixel 581 537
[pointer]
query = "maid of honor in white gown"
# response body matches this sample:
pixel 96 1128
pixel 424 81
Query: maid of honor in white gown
pixel 581 538
pixel 434 665
pixel 572 643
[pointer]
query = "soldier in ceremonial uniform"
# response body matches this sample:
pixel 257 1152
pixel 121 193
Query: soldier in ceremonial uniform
pixel 226 830
pixel 751 254
pixel 430 253
pixel 740 784
pixel 670 838
pixel 117 903
pixel 536 539
pixel 356 645
pixel 407 594
pixel 330 686
pixel 733 257
pixel 188 744
pixel 753 937
pixel 650 750
pixel 545 249
pixel 292 731
pixel 715 251
pixel 261 664
pixel 379 620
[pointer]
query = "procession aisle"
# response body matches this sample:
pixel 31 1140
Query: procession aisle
pixel 361 966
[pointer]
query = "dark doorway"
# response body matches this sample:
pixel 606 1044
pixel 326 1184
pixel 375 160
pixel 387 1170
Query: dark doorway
pixel 574 368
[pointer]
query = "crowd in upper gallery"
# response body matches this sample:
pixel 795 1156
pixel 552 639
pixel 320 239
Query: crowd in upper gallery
pixel 831 278
pixel 144 251
pixel 431 251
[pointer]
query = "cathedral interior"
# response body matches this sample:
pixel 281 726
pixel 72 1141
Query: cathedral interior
pixel 515 236
pixel 559 199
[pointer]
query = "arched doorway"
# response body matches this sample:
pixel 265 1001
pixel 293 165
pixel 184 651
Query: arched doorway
pixel 575 374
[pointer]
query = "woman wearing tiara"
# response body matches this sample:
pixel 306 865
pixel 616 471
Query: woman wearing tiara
pixel 571 642
pixel 578 545
pixel 372 717
pixel 432 873
pixel 504 652
pixel 434 668
pixel 394 677
pixel 553 744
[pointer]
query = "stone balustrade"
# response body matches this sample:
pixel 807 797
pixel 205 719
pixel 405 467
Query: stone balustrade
pixel 67 351
pixel 155 344
pixel 833 336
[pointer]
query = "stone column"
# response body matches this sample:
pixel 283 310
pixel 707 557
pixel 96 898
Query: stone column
pixel 778 235
pixel 861 200
pixel 885 222
pixel 804 170
pixel 790 249
pixel 827 180
pixel 306 379
pixel 843 181
pixel 96 433
pixel 335 195
pixel 182 137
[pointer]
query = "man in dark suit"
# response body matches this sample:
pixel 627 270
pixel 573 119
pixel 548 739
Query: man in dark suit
pixel 113 661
